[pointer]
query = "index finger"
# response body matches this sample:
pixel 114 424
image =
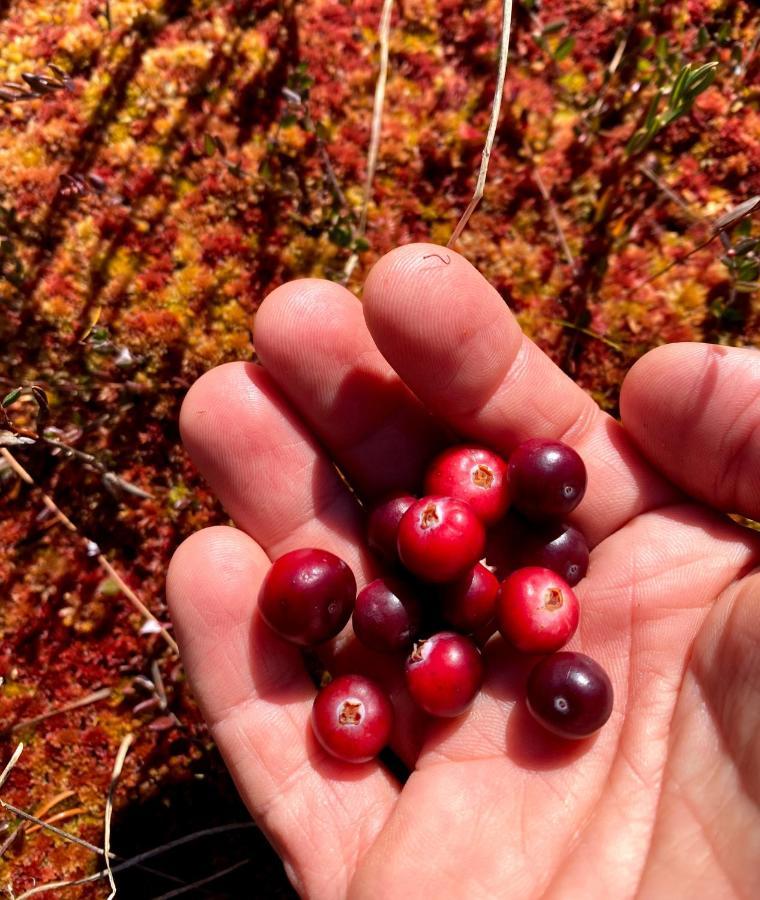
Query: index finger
pixel 451 337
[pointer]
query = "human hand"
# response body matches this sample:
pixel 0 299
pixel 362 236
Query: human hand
pixel 665 800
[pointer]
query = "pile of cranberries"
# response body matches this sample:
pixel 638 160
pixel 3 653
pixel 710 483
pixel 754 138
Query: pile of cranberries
pixel 440 602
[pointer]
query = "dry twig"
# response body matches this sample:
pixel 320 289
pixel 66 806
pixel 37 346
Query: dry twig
pixel 377 112
pixel 506 25
pixel 555 218
pixel 118 765
pixel 92 548
pixel 94 697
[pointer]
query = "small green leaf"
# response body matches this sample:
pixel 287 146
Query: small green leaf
pixel 209 147
pixel 288 119
pixel 679 87
pixel 361 244
pixel 554 27
pixel 340 236
pixel 724 32
pixel 703 38
pixel 11 397
pixel 565 48
pixel 651 118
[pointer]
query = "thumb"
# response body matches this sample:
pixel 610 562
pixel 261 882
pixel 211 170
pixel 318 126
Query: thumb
pixel 694 411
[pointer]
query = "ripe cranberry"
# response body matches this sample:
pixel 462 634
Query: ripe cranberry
pixel 570 694
pixel 561 548
pixel 444 673
pixel 547 479
pixel 382 525
pixel 470 603
pixel 473 474
pixel 352 718
pixel 537 610
pixel 440 538
pixel 307 596
pixel 387 615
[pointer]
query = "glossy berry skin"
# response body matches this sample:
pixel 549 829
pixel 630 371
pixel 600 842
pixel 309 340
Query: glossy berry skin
pixel 352 718
pixel 440 539
pixel 547 479
pixel 537 611
pixel 307 596
pixel 387 615
pixel 383 522
pixel 558 547
pixel 469 604
pixel 473 474
pixel 444 673
pixel 570 694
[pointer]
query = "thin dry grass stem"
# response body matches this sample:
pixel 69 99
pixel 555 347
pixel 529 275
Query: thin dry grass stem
pixel 11 763
pixel 118 765
pixel 22 814
pixel 377 112
pixel 177 892
pixel 376 128
pixel 669 192
pixel 40 811
pixel 54 885
pixel 611 69
pixel 16 466
pixel 506 27
pixel 60 817
pixel 94 697
pixel 552 206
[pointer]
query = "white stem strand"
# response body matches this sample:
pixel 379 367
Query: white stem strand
pixel 506 26
pixel 377 112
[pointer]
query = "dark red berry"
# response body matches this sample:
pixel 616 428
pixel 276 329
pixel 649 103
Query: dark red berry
pixel 537 610
pixel 570 694
pixel 382 525
pixel 444 673
pixel 473 474
pixel 387 615
pixel 352 718
pixel 547 479
pixel 558 547
pixel 470 603
pixel 307 596
pixel 440 538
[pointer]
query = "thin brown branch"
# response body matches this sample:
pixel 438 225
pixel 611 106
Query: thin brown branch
pixel 22 814
pixel 670 193
pixel 11 763
pixel 506 26
pixel 552 206
pixel 94 697
pixel 91 546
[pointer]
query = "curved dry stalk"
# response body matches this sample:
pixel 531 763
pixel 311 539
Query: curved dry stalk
pixel 118 765
pixel 506 27
pixel 377 112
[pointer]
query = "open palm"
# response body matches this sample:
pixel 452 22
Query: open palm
pixel 665 800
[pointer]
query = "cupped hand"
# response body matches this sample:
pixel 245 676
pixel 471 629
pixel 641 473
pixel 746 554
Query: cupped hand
pixel 665 800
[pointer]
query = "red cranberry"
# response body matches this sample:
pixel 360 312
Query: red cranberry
pixel 387 615
pixel 382 525
pixel 547 479
pixel 444 673
pixel 473 474
pixel 537 610
pixel 440 538
pixel 352 718
pixel 570 694
pixel 561 548
pixel 470 603
pixel 307 596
